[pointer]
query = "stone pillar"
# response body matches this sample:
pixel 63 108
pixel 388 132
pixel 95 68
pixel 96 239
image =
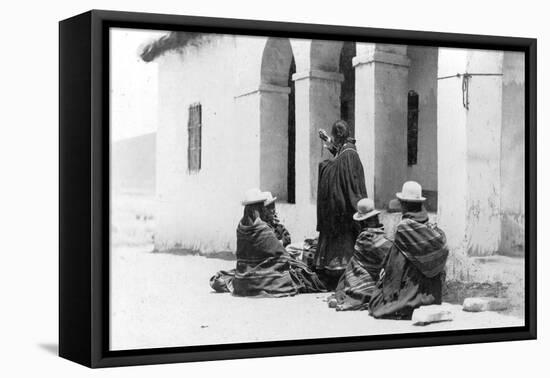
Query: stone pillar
pixel 512 162
pixel 274 139
pixel 381 88
pixel 317 107
pixel 469 118
pixel 265 110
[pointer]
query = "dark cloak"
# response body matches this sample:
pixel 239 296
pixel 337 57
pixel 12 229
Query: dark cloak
pixel 414 270
pixel 341 186
pixel 359 279
pixel 264 267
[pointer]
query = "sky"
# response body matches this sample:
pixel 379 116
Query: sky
pixel 134 88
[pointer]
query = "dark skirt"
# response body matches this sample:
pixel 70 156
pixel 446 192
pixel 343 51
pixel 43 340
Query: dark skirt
pixel 334 252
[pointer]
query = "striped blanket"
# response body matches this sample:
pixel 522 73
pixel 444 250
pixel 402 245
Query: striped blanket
pixel 414 270
pixel 423 244
pixel 264 267
pixel 358 281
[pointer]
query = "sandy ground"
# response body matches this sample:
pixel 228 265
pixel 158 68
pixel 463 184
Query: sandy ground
pixel 164 300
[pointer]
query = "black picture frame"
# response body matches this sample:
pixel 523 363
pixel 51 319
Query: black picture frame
pixel 84 193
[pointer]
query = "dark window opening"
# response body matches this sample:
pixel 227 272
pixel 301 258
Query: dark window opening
pixel 347 93
pixel 291 175
pixel 412 128
pixel 194 133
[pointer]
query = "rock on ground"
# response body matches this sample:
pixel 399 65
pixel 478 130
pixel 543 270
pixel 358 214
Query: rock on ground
pixel 431 314
pixel 485 304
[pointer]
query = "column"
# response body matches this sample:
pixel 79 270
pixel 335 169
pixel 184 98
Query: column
pixel 317 107
pixel 274 139
pixel 381 87
pixel 469 118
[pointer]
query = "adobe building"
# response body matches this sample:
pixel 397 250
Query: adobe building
pixel 237 112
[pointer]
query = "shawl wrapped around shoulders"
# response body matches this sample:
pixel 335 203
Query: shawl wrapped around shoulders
pixel 341 185
pixel 414 269
pixel 423 244
pixel 264 267
pixel 358 281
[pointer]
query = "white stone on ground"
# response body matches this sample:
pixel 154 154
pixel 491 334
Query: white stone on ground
pixel 431 314
pixel 485 304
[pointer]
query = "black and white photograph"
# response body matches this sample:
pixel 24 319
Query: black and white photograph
pixel 238 189
pixel 272 189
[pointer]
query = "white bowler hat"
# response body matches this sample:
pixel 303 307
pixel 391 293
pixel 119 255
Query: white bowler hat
pixel 269 198
pixel 365 209
pixel 411 192
pixel 252 196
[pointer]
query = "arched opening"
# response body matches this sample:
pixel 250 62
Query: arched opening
pixel 277 120
pixel 347 92
pixel 291 175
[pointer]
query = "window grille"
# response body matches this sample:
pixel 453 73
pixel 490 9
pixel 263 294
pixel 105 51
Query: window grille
pixel 412 128
pixel 194 132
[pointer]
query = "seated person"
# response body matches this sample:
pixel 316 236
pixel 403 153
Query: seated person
pixel 414 269
pixel 264 268
pixel 269 216
pixel 355 287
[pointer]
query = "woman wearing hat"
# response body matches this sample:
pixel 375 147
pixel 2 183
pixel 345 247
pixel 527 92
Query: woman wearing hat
pixel 355 287
pixel 414 270
pixel 264 267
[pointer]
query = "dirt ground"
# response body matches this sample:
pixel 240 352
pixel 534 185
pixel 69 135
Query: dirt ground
pixel 164 300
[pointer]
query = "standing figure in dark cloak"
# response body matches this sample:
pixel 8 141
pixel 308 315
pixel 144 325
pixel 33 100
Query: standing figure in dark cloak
pixel 341 186
pixel 414 270
pixel 264 267
pixel 359 279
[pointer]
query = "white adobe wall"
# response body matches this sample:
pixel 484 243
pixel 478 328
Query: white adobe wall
pixel 512 167
pixel 200 211
pixel 469 150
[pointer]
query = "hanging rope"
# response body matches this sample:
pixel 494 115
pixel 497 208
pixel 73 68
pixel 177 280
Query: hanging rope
pixel 466 77
pixel 465 91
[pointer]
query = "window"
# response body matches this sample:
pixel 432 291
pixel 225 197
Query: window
pixel 412 128
pixel 194 132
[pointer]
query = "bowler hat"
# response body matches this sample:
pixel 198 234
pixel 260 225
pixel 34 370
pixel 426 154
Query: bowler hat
pixel 269 198
pixel 411 192
pixel 252 196
pixel 365 209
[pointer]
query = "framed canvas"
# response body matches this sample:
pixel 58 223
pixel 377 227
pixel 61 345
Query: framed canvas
pixel 236 188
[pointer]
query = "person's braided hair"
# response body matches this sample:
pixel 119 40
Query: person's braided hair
pixel 340 132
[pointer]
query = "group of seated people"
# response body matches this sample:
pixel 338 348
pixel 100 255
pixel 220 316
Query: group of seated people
pixel 389 278
pixel 264 266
